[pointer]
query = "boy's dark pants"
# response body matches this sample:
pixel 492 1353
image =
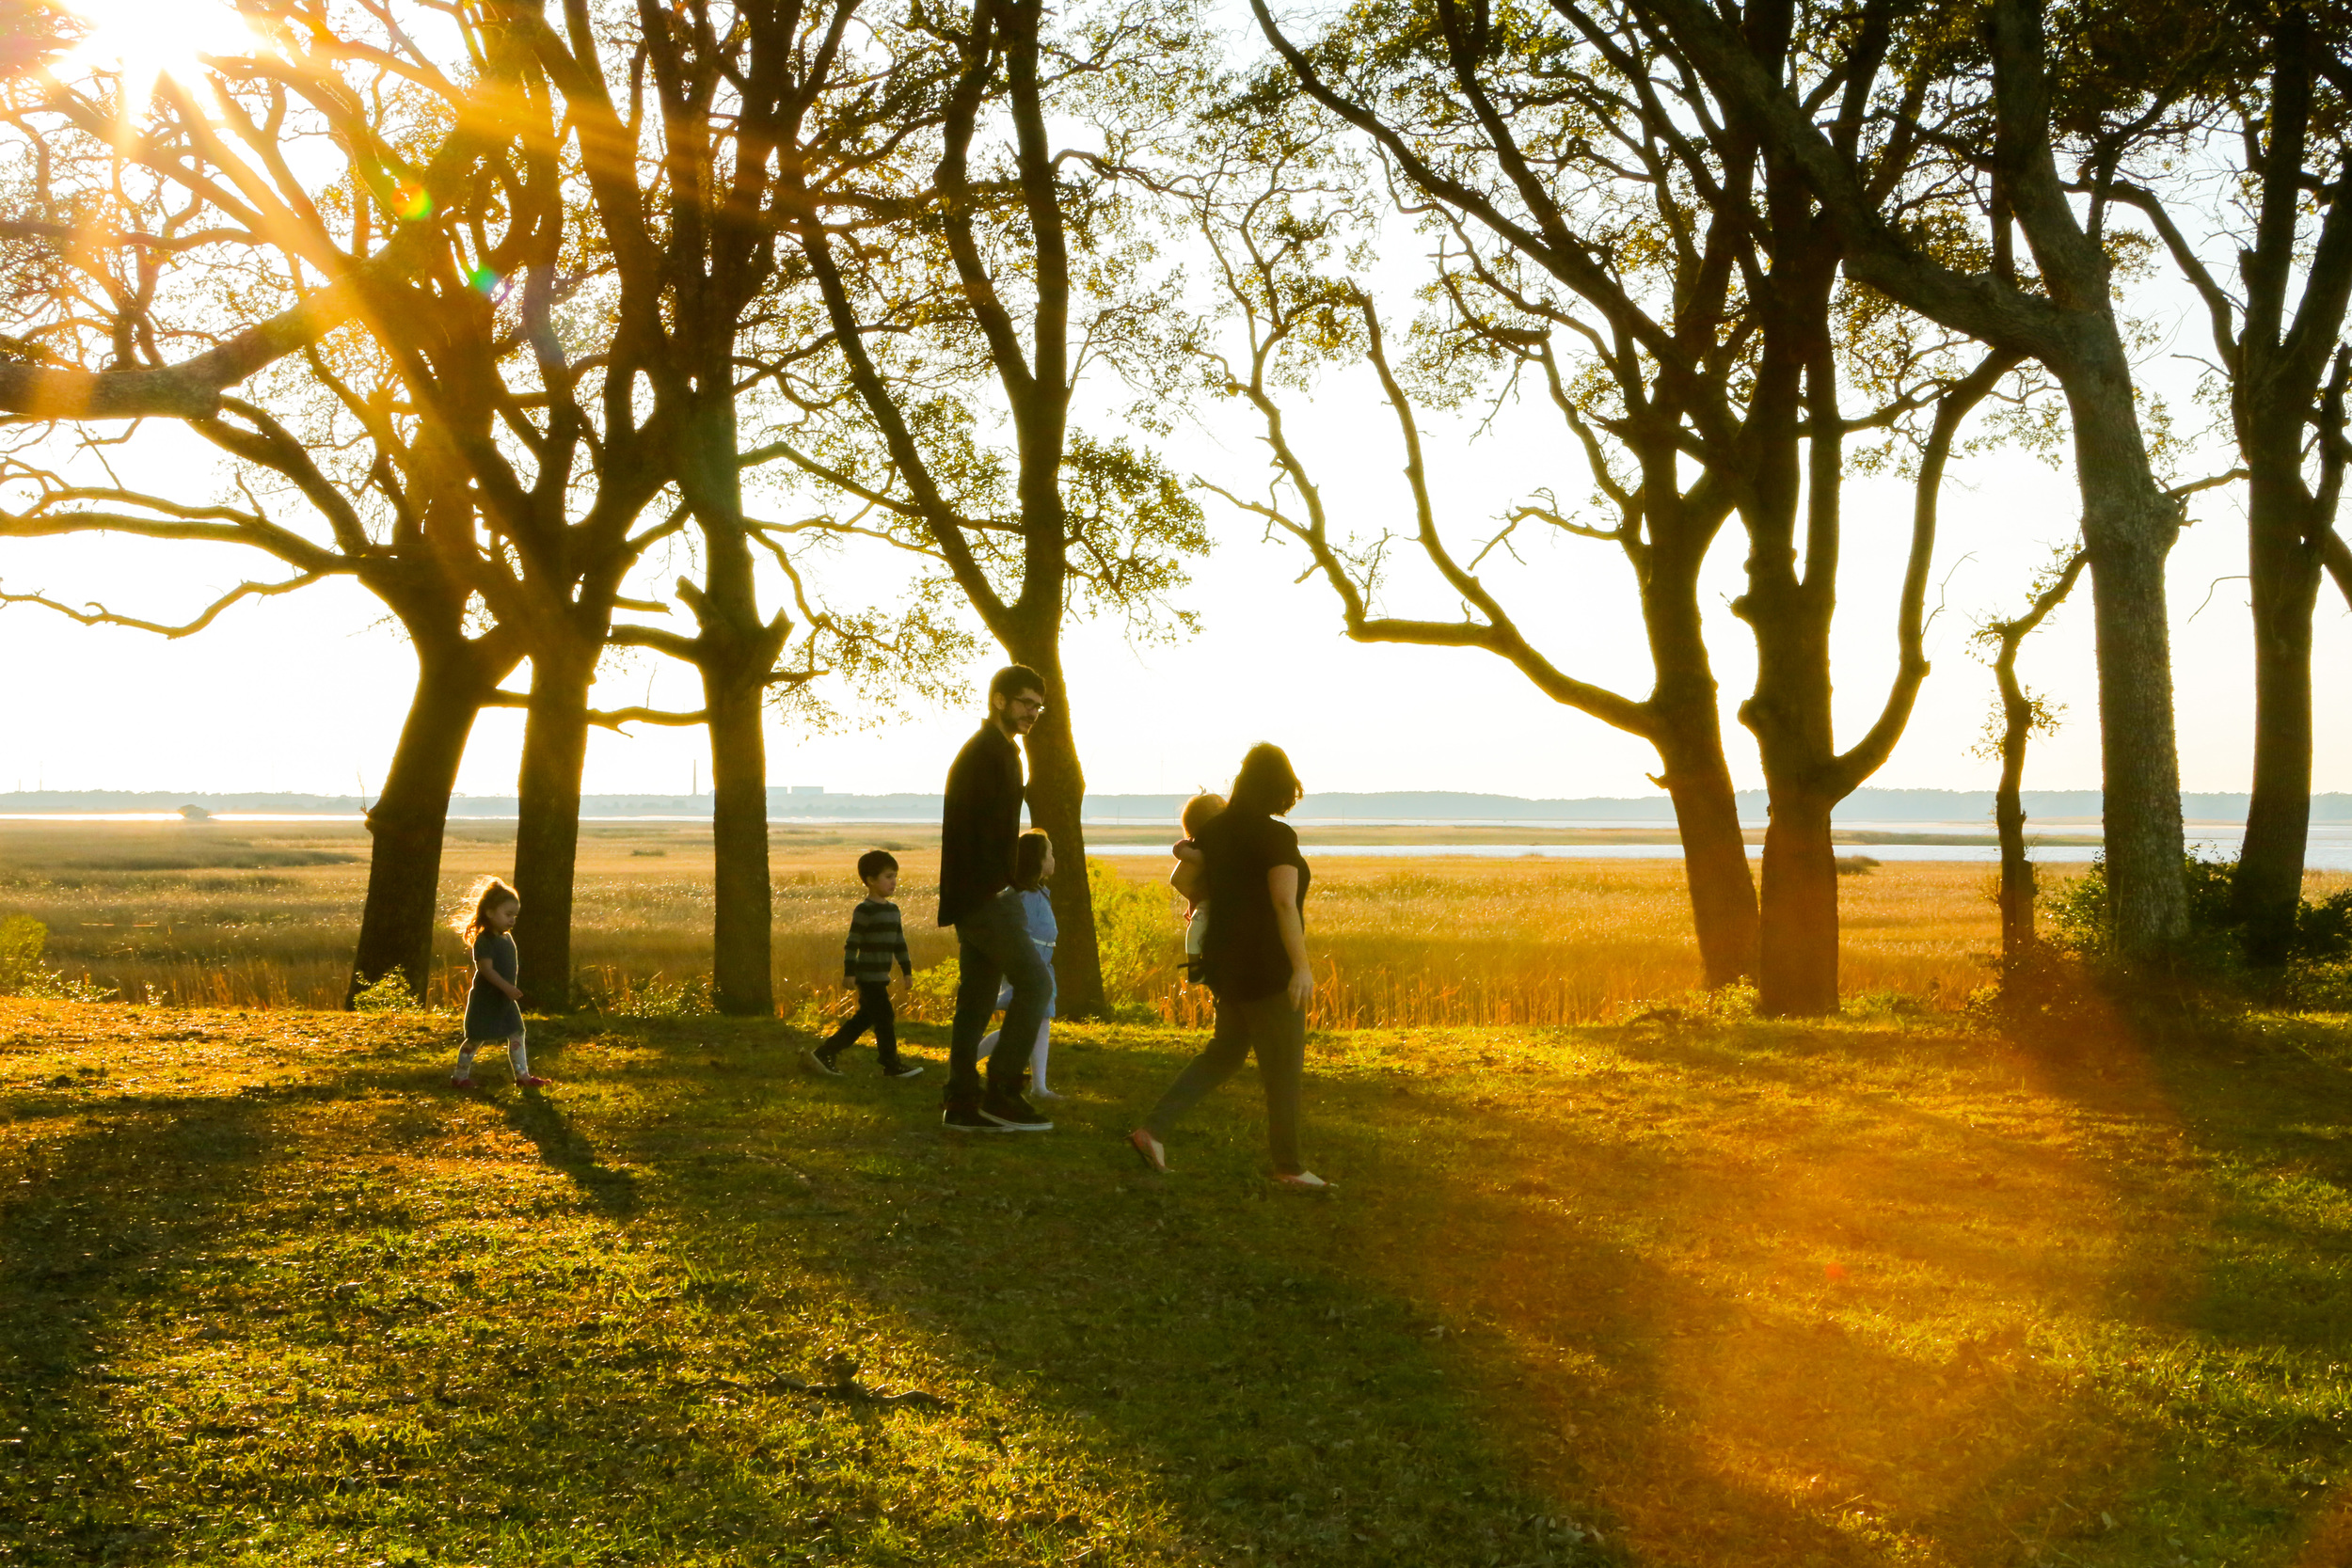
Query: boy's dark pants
pixel 992 944
pixel 873 1012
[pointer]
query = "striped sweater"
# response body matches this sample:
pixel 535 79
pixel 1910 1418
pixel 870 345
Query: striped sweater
pixel 876 939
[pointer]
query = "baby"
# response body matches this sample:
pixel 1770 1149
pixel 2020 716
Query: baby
pixel 1190 878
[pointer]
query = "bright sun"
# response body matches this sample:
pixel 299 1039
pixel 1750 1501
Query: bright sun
pixel 148 39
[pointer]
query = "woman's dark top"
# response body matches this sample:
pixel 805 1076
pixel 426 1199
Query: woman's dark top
pixel 490 1013
pixel 1243 954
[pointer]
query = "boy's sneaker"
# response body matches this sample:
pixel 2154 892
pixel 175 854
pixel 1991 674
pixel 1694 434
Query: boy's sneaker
pixel 532 1081
pixel 824 1061
pixel 1008 1111
pixel 902 1069
pixel 967 1119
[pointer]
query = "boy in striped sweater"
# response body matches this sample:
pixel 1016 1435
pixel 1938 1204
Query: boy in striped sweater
pixel 875 941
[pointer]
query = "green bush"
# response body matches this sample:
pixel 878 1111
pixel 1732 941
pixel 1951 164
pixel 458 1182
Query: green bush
pixel 21 940
pixel 2080 923
pixel 387 993
pixel 23 974
pixel 656 998
pixel 1135 930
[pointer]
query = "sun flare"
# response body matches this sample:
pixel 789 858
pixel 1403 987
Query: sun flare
pixel 146 39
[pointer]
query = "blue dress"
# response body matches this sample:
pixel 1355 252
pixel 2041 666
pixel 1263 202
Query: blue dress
pixel 1037 913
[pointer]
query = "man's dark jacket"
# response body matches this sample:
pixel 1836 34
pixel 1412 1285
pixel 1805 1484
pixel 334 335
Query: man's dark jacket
pixel 981 824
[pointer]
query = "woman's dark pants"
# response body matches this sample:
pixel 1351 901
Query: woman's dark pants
pixel 1278 1033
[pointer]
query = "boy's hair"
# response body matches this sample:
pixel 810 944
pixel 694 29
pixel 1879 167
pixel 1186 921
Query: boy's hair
pixel 1199 812
pixel 485 896
pixel 1266 783
pixel 874 863
pixel 1028 859
pixel 1012 680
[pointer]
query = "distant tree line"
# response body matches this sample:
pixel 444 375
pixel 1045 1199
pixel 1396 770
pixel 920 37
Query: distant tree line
pixel 496 310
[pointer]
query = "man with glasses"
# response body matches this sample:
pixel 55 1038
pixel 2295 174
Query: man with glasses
pixel 978 833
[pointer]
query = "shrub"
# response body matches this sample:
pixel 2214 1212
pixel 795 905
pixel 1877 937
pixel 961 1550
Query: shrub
pixel 1135 932
pixel 656 998
pixel 22 972
pixel 21 940
pixel 934 988
pixel 2081 925
pixel 389 993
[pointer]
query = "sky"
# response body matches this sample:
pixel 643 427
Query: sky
pixel 305 692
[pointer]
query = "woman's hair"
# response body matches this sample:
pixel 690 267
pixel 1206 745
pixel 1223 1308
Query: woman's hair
pixel 1266 784
pixel 1028 859
pixel 1199 812
pixel 486 895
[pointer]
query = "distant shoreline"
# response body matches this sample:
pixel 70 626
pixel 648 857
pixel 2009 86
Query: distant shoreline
pixel 1866 809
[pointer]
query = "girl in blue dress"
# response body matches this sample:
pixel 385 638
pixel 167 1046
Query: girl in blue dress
pixel 1032 864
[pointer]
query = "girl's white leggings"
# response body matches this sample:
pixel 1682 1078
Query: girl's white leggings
pixel 1037 1056
pixel 517 1057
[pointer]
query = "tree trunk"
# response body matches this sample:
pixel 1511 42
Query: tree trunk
pixel 2129 526
pixel 1057 794
pixel 736 655
pixel 2009 816
pixel 411 815
pixel 2284 572
pixel 742 922
pixel 1714 852
pixel 546 831
pixel 1797 962
pixel 2139 760
pixel 1688 727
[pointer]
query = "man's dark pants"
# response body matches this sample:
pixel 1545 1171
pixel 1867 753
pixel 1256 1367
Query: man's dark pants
pixel 993 946
pixel 873 1012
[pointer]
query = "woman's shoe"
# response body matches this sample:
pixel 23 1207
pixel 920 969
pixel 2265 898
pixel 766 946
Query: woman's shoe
pixel 532 1081
pixel 1302 1181
pixel 1150 1149
pixel 1043 1094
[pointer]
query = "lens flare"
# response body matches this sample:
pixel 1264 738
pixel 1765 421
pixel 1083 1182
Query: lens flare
pixel 148 39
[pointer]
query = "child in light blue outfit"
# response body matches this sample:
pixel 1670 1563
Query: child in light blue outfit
pixel 1032 864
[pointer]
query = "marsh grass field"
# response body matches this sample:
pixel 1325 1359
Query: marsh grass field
pixel 263 914
pixel 1882 1292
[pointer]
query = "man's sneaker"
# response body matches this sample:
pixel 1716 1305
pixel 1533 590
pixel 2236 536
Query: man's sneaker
pixel 823 1061
pixel 1014 1114
pixel 967 1119
pixel 902 1069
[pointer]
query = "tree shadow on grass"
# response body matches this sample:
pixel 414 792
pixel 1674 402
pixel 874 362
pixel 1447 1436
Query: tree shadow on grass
pixel 1540 1305
pixel 539 1118
pixel 1438 1367
pixel 110 1219
pixel 1522 1312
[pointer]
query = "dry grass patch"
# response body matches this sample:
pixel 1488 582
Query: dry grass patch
pixel 265 914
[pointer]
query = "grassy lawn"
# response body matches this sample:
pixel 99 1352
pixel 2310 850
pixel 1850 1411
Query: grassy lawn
pixel 1665 1293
